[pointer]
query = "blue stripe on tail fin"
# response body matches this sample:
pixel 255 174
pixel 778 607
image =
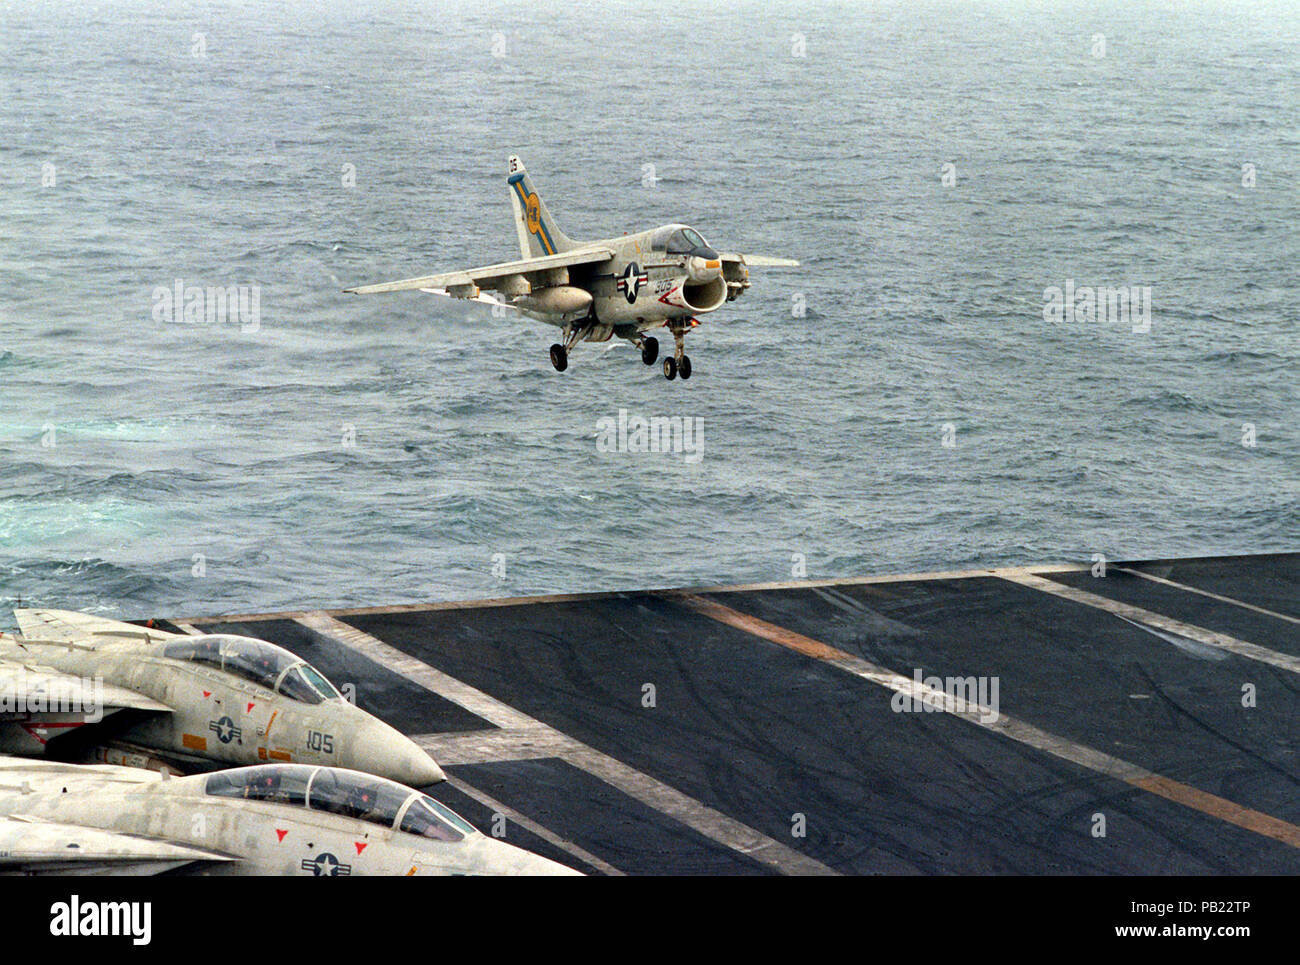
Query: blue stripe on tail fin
pixel 538 235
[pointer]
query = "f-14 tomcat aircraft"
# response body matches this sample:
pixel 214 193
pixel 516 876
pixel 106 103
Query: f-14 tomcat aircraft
pixel 625 286
pixel 76 687
pixel 271 819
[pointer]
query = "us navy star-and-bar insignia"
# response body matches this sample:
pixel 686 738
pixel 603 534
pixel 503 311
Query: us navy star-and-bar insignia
pixel 325 865
pixel 226 730
pixel 631 281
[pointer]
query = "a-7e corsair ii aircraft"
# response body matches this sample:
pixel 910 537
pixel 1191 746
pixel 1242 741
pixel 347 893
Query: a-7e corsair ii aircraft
pixel 625 286
pixel 80 688
pixel 272 819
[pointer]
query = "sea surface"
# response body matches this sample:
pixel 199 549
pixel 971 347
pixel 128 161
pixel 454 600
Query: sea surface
pixel 900 403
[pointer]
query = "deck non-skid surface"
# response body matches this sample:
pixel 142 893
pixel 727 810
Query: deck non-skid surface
pixel 1142 722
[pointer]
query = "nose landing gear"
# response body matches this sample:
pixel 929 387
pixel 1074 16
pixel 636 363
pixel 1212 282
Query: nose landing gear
pixel 679 363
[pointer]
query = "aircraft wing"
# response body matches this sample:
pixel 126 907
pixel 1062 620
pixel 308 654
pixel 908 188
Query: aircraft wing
pixel 760 261
pixel 34 846
pixel 65 626
pixel 483 298
pixel 490 276
pixel 41 774
pixel 34 686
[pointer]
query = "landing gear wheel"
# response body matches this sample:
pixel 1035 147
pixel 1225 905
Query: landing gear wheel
pixel 684 367
pixel 559 357
pixel 650 351
pixel 670 368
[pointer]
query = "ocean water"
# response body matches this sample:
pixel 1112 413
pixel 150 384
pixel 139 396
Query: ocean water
pixel 899 403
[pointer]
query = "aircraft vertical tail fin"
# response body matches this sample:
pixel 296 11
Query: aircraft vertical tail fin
pixel 538 234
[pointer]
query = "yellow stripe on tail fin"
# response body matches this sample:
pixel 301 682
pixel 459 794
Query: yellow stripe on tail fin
pixel 538 234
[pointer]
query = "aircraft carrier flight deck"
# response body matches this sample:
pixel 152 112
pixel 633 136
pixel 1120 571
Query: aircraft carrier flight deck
pixel 1144 721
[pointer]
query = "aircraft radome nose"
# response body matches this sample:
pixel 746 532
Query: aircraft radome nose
pixel 545 867
pixel 507 859
pixel 387 752
pixel 423 770
pixel 408 763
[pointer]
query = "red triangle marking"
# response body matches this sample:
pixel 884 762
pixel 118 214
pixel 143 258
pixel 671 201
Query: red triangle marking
pixel 250 707
pixel 281 833
pixel 207 693
pixel 361 845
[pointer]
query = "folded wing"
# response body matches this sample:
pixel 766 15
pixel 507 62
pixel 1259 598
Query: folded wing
pixel 43 710
pixel 34 846
pixel 65 626
pixel 29 685
pixel 760 261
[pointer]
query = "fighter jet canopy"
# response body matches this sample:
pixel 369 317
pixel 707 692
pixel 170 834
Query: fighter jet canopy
pixel 338 791
pixel 680 239
pixel 256 661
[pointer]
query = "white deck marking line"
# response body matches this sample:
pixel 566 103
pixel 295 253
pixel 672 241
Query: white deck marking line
pixel 418 672
pixel 1213 596
pixel 714 825
pixel 1210 653
pixel 1210 638
pixel 189 628
pixel 529 824
pixel 871 580
pixel 662 591
pixel 1087 757
pixel 487 746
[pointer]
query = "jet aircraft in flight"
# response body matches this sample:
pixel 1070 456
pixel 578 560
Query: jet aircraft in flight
pixel 627 286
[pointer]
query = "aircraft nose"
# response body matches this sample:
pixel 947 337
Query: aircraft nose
pixel 387 752
pixel 540 867
pixel 415 768
pixel 703 265
pixel 510 860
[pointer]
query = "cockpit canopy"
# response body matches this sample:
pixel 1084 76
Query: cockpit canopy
pixel 256 661
pixel 680 239
pixel 348 793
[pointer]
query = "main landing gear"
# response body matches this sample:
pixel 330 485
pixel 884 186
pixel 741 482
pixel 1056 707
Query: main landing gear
pixel 560 353
pixel 679 363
